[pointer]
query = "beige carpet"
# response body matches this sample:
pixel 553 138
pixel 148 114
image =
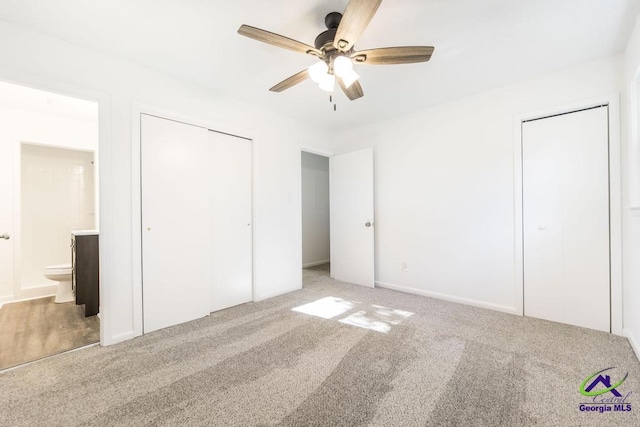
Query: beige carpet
pixel 31 330
pixel 331 354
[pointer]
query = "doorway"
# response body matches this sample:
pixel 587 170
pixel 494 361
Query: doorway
pixel 338 194
pixel 49 188
pixel 315 212
pixel 566 218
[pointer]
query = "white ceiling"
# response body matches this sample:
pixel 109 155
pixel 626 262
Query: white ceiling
pixel 36 101
pixel 480 44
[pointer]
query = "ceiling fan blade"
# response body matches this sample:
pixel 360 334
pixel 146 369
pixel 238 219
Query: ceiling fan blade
pixel 355 19
pixel 291 81
pixel 393 55
pixel 277 40
pixel 353 92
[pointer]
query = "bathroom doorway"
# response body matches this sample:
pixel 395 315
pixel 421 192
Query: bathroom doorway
pixel 49 188
pixel 315 212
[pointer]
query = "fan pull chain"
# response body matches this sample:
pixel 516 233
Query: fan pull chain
pixel 330 98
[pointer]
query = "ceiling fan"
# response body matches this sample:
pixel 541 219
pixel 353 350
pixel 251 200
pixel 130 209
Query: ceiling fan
pixel 335 50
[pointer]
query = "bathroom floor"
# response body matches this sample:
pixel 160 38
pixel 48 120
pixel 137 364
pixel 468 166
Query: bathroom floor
pixel 31 330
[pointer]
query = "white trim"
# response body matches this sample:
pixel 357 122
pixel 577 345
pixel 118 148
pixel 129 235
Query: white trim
pixel 136 196
pixel 318 151
pixel 124 336
pixel 314 263
pixel 635 210
pixel 108 252
pixel 450 298
pixel 632 341
pixel 615 199
pixel 136 222
pixel 257 298
pixel 9 299
pixel 633 174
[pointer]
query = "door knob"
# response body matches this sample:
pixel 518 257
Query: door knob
pixel 5 236
pixel 367 224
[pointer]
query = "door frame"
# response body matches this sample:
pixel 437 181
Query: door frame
pixel 137 109
pixel 107 252
pixel 615 200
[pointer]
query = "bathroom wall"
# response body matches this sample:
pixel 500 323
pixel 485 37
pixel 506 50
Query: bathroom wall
pixel 315 209
pixel 43 118
pixel 57 196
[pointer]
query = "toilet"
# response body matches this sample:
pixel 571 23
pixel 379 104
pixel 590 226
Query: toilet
pixel 61 273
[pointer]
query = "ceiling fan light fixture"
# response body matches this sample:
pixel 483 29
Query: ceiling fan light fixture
pixel 328 82
pixel 349 78
pixel 317 71
pixel 342 65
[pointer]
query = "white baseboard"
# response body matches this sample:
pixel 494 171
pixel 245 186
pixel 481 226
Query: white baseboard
pixel 117 338
pixel 450 298
pixel 313 264
pixel 632 340
pixel 9 301
pixel 275 294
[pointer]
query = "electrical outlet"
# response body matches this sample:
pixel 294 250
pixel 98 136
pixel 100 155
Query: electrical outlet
pixel 404 266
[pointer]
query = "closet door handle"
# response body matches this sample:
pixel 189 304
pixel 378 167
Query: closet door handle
pixel 5 236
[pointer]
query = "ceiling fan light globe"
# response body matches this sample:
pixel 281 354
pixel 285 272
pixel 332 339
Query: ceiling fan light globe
pixel 342 65
pixel 317 71
pixel 328 82
pixel 349 78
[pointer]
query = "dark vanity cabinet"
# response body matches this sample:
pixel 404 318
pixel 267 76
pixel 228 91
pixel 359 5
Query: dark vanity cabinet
pixel 86 272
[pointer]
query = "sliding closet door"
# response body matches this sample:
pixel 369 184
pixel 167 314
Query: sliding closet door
pixel 231 232
pixel 177 249
pixel 196 222
pixel 566 218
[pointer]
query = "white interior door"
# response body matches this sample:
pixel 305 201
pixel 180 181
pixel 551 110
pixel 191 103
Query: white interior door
pixel 352 220
pixel 566 218
pixel 230 189
pixel 176 228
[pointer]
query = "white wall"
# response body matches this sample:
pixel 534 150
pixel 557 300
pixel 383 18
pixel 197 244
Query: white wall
pixel 57 196
pixel 631 189
pixel 27 121
pixel 445 186
pixel 121 87
pixel 315 209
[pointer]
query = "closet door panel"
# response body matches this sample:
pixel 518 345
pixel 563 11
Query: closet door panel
pixel 566 218
pixel 231 223
pixel 176 227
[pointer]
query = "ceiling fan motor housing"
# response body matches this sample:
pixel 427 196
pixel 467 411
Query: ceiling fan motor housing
pixel 325 39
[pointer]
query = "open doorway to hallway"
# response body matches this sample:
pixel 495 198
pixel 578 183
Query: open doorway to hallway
pixel 315 212
pixel 49 218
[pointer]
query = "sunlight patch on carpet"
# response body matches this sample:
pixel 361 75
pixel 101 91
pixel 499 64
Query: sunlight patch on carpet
pixel 375 317
pixel 327 308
